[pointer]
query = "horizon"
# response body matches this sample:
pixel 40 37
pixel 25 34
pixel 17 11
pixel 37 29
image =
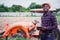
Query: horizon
pixel 25 3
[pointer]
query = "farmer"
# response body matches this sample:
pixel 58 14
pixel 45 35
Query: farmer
pixel 48 23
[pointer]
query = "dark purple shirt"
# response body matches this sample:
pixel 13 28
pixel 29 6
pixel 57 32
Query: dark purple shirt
pixel 49 21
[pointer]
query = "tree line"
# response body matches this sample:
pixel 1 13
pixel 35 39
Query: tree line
pixel 19 8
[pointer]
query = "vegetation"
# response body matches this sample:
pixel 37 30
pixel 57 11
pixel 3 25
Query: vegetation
pixel 58 9
pixel 18 8
pixel 17 38
pixel 58 18
pixel 34 6
pixel 14 8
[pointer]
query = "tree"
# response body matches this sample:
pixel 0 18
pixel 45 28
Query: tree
pixel 3 8
pixel 58 9
pixel 18 8
pixel 34 5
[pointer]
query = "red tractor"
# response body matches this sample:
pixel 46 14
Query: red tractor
pixel 21 28
pixel 24 29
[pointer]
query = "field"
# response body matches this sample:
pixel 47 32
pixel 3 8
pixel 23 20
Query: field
pixel 12 20
pixel 58 19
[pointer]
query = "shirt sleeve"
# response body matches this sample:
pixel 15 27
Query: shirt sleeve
pixel 42 24
pixel 54 23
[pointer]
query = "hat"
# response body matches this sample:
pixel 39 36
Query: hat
pixel 46 4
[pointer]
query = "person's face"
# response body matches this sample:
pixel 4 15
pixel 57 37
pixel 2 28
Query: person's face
pixel 46 8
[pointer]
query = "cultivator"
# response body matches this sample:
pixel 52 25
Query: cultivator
pixel 22 29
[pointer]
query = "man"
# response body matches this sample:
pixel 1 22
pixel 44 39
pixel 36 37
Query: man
pixel 48 23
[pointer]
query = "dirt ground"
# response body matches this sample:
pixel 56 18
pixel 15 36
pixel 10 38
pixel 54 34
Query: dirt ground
pixel 11 20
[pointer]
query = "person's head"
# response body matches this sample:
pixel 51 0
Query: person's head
pixel 46 7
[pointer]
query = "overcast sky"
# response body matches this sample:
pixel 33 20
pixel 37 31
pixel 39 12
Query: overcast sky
pixel 26 3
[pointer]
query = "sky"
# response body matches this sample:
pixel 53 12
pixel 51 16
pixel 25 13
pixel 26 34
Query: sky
pixel 25 3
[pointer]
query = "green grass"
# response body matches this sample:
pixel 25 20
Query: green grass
pixel 1 39
pixel 17 38
pixel 58 18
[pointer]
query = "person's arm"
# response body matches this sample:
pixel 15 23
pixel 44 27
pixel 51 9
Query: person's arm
pixel 42 24
pixel 54 23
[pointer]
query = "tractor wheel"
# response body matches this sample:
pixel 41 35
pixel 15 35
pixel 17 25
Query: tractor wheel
pixel 57 34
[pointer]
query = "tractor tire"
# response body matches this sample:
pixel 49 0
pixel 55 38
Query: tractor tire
pixel 57 34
